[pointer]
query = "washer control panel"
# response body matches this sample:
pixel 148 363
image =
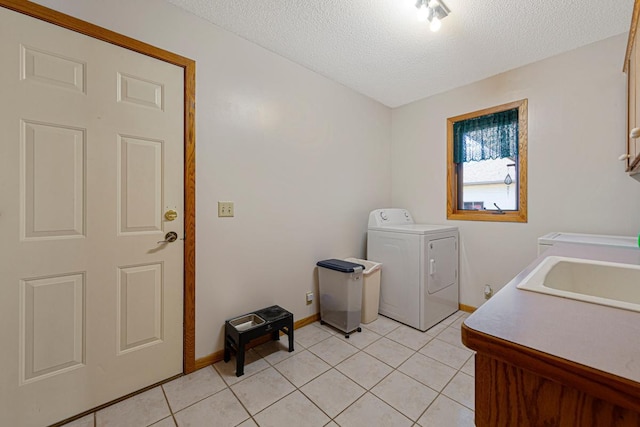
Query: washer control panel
pixel 389 216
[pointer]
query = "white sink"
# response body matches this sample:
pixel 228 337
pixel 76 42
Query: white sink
pixel 598 282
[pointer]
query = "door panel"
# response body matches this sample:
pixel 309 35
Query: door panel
pixel 52 326
pixel 52 181
pixel 52 69
pixel 140 306
pixel 138 91
pixel 91 156
pixel 139 185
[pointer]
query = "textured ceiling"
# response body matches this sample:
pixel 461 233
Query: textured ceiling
pixel 378 48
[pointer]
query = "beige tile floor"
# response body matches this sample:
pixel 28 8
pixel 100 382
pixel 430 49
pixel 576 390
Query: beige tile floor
pixel 387 375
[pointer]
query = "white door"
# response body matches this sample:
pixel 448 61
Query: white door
pixel 91 158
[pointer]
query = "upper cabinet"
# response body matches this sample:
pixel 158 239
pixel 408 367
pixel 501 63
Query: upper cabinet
pixel 632 68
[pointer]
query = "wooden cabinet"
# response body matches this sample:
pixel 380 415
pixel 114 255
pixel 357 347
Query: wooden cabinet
pixel 520 386
pixel 632 68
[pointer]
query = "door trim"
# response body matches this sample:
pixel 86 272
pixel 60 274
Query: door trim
pixel 189 67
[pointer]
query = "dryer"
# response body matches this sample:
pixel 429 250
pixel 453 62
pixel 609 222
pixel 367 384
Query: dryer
pixel 419 278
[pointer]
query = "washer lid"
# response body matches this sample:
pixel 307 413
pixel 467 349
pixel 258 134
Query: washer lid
pixel 414 228
pixel 589 239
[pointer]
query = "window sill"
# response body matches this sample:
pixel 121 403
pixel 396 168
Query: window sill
pixel 512 216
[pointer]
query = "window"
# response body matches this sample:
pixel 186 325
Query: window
pixel 487 164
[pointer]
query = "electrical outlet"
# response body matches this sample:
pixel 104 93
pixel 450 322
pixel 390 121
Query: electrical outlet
pixel 309 297
pixel 225 209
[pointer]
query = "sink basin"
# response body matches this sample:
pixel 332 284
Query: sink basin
pixel 598 282
pixel 246 322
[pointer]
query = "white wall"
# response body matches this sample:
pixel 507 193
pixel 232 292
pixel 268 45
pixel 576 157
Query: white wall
pixel 577 126
pixel 303 158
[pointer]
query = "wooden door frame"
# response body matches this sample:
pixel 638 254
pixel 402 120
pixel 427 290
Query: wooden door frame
pixel 189 67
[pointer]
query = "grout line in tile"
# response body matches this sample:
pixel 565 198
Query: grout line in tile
pixel 267 407
pixel 450 320
pixel 445 363
pixel 354 402
pixel 439 393
pixel 386 362
pixel 164 393
pixel 373 386
pixel 302 385
pixel 244 421
pixel 349 379
pixel 200 400
pixel 427 408
pixel 239 401
pixel 315 404
pixel 449 397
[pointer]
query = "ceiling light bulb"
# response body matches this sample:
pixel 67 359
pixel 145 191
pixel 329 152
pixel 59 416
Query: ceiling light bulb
pixel 435 24
pixel 423 13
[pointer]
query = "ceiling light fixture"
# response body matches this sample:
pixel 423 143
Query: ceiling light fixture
pixel 423 13
pixel 433 11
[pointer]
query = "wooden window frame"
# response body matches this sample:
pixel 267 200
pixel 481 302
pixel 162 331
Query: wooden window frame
pixel 519 215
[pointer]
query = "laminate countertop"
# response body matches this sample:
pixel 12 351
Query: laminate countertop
pixel 598 337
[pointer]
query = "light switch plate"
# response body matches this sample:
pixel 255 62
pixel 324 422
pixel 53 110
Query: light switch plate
pixel 225 209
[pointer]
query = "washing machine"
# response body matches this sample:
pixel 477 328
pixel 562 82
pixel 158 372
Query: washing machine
pixel 549 240
pixel 419 281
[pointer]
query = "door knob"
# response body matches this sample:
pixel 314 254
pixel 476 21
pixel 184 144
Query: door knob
pixel 171 236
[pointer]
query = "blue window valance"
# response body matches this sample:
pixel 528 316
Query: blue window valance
pixel 492 136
